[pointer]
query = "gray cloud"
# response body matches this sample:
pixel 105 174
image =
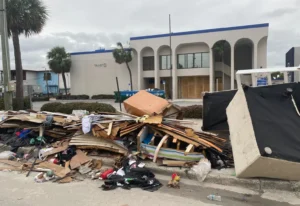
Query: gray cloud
pixel 86 26
pixel 281 11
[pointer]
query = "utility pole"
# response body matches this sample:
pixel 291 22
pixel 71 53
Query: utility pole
pixel 171 66
pixel 5 56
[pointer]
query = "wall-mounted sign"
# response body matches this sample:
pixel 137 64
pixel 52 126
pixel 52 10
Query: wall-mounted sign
pixel 100 65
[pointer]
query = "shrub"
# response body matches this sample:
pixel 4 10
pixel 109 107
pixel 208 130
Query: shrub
pixel 39 99
pixel 193 112
pixel 26 103
pixel 103 96
pixel 67 108
pixel 51 107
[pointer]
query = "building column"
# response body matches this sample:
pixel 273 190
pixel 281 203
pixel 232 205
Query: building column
pixel 254 76
pixel 140 72
pixel 232 69
pixel 156 70
pixel 211 71
pixel 174 77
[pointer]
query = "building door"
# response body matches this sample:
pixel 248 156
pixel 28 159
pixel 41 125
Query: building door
pixel 192 87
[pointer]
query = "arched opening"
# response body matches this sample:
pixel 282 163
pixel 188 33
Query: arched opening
pixel 165 65
pixel 192 58
pixel 222 65
pixel 147 57
pixel 244 58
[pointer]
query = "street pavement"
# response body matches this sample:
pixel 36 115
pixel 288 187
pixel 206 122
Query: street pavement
pixel 17 189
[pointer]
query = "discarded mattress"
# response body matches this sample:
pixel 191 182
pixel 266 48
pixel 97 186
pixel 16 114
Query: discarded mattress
pixel 264 131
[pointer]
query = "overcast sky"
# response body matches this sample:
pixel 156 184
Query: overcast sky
pixel 87 25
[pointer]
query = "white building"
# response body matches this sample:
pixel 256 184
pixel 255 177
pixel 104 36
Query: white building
pixel 197 65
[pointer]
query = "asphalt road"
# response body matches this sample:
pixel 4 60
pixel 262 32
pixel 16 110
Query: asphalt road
pixel 16 189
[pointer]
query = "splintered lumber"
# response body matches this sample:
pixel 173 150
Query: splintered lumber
pixel 130 128
pixel 90 142
pixel 56 150
pixel 189 149
pixel 154 119
pixel 194 138
pixel 109 129
pixel 159 146
pixel 179 137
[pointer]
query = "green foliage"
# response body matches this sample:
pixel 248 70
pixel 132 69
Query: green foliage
pixel 121 55
pixel 103 96
pixel 25 16
pixel 67 108
pixel 193 112
pixel 59 60
pixel 26 104
pixel 277 75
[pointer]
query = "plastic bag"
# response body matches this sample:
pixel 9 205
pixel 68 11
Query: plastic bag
pixel 7 155
pixel 202 169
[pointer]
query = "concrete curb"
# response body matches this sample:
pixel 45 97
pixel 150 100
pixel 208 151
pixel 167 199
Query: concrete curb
pixel 224 177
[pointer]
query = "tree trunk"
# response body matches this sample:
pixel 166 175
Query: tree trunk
pixel 130 75
pixel 19 72
pixel 65 83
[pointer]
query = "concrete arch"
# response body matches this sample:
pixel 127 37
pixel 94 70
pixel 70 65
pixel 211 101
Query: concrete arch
pixel 262 52
pixel 147 51
pixel 244 54
pixel 221 65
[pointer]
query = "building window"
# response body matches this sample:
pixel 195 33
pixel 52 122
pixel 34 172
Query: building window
pixel 148 63
pixel 194 60
pixel 165 62
pixel 13 75
pixel 47 76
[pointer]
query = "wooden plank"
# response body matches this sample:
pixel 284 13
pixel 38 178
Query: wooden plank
pixel 178 145
pixel 109 129
pixel 159 146
pixel 79 159
pixel 179 137
pixel 138 138
pixel 189 148
pixel 61 148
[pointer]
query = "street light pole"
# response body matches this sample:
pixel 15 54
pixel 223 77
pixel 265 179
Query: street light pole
pixel 5 56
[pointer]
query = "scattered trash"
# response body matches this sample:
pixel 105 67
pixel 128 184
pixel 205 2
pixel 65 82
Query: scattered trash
pixel 44 177
pixel 106 173
pixel 214 198
pixel 7 155
pixel 174 182
pixel 202 169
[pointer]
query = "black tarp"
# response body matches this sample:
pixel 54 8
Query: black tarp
pixel 214 110
pixel 275 121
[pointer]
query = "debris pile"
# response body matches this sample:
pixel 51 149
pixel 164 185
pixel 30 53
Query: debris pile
pixel 68 146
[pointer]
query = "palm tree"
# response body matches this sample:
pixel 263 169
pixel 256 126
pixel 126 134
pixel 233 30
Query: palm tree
pixel 59 62
pixel 23 17
pixel 123 56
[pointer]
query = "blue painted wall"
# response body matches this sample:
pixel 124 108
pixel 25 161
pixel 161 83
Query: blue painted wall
pixel 52 84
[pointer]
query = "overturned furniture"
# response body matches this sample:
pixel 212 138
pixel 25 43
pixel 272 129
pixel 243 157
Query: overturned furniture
pixel 264 125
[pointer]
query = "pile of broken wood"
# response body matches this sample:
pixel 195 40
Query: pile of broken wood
pixel 151 128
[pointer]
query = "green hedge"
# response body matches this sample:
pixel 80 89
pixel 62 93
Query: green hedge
pixel 26 103
pixel 193 112
pixel 103 96
pixel 67 108
pixel 72 97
